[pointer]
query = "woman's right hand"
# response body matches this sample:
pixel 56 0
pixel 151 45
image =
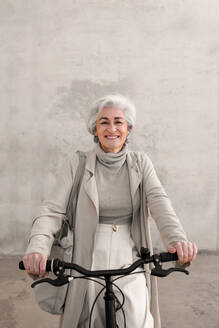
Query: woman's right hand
pixel 35 264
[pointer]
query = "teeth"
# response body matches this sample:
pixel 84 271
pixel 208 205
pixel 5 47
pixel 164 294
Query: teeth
pixel 112 137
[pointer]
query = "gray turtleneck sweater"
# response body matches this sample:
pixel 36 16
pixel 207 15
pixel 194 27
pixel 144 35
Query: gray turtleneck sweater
pixel 112 178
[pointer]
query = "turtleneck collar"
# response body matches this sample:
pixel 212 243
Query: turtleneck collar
pixel 111 160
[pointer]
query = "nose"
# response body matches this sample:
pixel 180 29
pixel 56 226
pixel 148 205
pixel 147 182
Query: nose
pixel 112 127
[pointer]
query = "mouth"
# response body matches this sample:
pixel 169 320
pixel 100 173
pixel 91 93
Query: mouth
pixel 112 137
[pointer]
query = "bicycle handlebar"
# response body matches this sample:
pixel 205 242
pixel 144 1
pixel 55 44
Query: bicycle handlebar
pixel 58 267
pixel 52 265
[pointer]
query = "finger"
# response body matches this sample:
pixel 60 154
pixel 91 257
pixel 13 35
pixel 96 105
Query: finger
pixel 31 264
pixel 36 264
pixel 24 259
pixel 190 251
pixel 43 266
pixel 195 251
pixel 185 252
pixel 179 250
pixel 26 263
pixel 171 249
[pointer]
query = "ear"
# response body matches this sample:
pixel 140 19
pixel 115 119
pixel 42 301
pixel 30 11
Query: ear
pixel 95 131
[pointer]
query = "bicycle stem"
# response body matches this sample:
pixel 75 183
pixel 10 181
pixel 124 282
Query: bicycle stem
pixel 110 304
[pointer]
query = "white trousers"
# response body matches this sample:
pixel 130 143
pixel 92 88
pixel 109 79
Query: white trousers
pixel 115 249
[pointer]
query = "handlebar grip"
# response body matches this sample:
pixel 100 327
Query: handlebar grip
pixel 21 265
pixel 48 265
pixel 168 257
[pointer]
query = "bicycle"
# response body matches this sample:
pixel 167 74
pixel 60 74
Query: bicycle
pixel 58 268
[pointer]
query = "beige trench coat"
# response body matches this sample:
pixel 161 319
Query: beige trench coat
pixel 144 183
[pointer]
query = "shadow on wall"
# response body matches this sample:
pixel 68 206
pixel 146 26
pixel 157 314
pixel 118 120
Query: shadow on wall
pixel 74 102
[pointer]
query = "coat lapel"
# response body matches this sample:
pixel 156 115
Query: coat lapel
pixel 135 175
pixel 90 181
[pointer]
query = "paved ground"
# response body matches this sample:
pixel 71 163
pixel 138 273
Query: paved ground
pixel 186 301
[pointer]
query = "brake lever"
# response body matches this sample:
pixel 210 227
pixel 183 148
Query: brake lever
pixel 160 272
pixel 60 281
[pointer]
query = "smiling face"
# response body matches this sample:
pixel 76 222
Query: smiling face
pixel 111 129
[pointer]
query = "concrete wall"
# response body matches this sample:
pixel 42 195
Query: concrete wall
pixel 57 57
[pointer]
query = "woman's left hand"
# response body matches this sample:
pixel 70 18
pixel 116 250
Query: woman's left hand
pixel 186 251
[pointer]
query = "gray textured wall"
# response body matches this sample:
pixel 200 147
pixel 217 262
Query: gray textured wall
pixel 57 57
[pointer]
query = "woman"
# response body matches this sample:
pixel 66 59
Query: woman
pixel 117 189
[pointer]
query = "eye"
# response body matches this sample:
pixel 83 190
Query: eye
pixel 118 122
pixel 104 123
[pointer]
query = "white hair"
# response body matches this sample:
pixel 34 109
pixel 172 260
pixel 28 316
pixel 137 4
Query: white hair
pixel 112 101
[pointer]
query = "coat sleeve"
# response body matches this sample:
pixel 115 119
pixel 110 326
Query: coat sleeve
pixel 160 207
pixel 48 220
